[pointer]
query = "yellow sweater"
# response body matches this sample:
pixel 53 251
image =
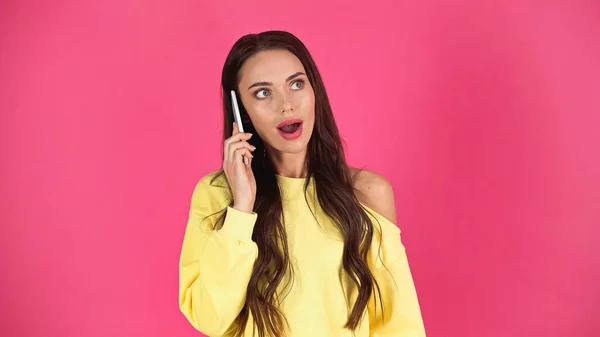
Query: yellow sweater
pixel 215 267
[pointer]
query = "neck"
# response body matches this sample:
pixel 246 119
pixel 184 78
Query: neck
pixel 286 164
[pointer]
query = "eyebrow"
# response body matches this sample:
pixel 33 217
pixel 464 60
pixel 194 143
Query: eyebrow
pixel 291 77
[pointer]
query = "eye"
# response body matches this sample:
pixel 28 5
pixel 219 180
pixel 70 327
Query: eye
pixel 299 84
pixel 262 93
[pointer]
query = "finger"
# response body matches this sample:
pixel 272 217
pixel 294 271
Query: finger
pixel 236 128
pixel 240 154
pixel 238 136
pixel 234 140
pixel 234 132
pixel 239 145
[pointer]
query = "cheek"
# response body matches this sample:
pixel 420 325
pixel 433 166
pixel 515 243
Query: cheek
pixel 262 117
pixel 307 102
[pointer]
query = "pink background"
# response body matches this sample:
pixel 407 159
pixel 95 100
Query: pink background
pixel 485 116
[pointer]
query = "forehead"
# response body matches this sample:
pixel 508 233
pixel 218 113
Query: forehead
pixel 270 66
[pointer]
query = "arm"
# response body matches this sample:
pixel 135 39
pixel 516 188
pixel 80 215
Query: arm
pixel 215 265
pixel 401 311
pixel 401 315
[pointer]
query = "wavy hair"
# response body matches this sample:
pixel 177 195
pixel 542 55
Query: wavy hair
pixel 326 164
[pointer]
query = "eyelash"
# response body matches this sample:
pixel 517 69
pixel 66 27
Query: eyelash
pixel 299 80
pixel 259 90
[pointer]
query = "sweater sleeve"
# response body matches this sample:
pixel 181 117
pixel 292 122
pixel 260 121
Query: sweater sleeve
pixel 215 265
pixel 401 310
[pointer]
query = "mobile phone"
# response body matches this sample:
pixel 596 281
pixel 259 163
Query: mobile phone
pixel 236 111
pixel 236 116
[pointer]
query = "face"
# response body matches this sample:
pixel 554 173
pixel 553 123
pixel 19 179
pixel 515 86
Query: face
pixel 274 88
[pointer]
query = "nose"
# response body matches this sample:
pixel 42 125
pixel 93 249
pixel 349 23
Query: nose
pixel 286 104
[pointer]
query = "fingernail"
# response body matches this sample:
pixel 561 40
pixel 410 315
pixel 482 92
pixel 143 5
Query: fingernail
pixel 250 134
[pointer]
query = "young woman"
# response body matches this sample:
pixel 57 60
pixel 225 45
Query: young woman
pixel 295 242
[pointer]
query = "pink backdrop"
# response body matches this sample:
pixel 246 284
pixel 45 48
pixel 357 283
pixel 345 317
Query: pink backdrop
pixel 484 115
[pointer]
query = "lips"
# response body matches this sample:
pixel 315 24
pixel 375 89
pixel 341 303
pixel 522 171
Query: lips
pixel 291 135
pixel 289 121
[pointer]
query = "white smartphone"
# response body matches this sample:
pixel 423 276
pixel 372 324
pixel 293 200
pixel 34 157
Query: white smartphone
pixel 236 111
pixel 236 116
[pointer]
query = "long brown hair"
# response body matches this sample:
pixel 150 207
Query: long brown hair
pixel 326 164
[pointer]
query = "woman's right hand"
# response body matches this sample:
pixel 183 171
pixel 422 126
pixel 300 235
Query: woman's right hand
pixel 239 175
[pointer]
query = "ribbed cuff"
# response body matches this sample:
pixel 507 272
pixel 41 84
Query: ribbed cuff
pixel 238 224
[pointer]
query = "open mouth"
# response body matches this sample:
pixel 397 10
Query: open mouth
pixel 290 128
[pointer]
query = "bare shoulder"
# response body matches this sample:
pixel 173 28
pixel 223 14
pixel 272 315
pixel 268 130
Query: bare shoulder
pixel 374 191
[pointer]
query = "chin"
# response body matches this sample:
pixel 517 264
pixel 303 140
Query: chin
pixel 298 147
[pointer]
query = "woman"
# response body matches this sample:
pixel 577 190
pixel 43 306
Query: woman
pixel 294 242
